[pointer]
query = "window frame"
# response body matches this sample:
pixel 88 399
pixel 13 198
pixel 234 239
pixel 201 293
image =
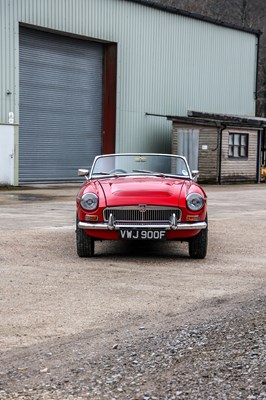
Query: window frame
pixel 243 138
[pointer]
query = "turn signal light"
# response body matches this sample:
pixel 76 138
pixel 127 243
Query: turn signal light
pixel 91 218
pixel 192 218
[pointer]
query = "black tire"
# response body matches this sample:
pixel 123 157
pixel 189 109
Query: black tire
pixel 85 243
pixel 197 245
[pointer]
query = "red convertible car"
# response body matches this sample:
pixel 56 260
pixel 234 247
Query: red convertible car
pixel 133 196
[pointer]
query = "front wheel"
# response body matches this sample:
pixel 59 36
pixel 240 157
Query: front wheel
pixel 198 244
pixel 85 243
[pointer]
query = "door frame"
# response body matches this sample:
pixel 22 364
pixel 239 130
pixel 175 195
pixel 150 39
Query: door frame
pixel 109 98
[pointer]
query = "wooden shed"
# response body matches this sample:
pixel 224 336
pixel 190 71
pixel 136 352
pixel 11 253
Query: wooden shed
pixel 224 148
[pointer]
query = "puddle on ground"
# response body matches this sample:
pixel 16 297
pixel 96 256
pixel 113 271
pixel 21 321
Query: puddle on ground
pixel 25 196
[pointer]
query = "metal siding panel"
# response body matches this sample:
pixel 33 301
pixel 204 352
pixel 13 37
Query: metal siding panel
pixel 167 63
pixel 7 57
pixel 60 105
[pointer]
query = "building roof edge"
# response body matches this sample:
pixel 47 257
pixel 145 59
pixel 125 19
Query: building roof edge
pixel 201 118
pixel 174 10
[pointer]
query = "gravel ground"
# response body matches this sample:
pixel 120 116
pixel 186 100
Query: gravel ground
pixel 221 358
pixel 135 322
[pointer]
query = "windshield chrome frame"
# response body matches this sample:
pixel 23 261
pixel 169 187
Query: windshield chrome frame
pixel 90 177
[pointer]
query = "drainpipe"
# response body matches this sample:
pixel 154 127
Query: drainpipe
pixel 257 70
pixel 220 135
pixel 259 147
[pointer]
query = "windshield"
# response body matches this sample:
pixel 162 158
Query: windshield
pixel 140 164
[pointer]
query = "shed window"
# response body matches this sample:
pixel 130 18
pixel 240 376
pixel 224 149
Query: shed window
pixel 238 145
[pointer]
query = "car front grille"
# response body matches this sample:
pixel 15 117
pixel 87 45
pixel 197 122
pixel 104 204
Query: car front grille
pixel 140 214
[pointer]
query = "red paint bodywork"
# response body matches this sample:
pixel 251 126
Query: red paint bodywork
pixel 135 190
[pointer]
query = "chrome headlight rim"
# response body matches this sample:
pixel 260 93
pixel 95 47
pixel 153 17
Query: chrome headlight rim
pixel 195 201
pixel 89 201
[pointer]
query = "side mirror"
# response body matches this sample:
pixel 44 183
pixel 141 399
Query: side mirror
pixel 195 174
pixel 83 172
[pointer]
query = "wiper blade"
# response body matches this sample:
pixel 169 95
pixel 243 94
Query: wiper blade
pixel 115 174
pixel 144 171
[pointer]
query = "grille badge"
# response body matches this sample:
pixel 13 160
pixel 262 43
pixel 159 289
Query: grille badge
pixel 142 208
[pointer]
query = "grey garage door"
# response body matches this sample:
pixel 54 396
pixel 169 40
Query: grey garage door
pixel 61 93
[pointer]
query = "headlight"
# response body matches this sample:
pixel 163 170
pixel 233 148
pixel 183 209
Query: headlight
pixel 195 201
pixel 89 201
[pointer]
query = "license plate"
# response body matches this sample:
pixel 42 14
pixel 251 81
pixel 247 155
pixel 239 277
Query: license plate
pixel 141 234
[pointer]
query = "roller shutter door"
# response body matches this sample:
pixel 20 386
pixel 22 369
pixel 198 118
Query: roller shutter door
pixel 61 93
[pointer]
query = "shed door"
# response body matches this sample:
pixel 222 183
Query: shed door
pixel 61 93
pixel 188 146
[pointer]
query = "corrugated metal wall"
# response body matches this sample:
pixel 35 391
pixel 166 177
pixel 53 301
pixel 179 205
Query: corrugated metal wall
pixel 167 63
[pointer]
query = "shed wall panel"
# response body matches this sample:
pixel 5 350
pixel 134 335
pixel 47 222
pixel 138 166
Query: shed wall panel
pixel 208 157
pixel 235 170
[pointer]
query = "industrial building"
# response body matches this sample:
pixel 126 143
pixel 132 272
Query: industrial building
pixel 84 77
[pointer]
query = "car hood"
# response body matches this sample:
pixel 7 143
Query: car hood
pixel 148 190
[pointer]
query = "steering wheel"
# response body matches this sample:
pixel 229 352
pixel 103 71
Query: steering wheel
pixel 117 171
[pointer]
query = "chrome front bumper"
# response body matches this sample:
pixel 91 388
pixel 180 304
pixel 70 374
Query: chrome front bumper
pixel 117 226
